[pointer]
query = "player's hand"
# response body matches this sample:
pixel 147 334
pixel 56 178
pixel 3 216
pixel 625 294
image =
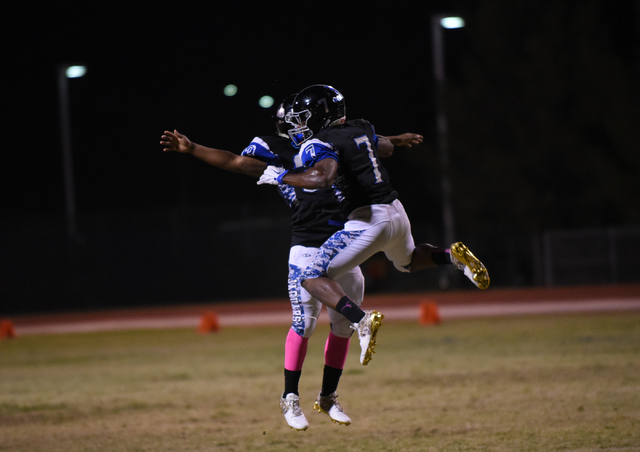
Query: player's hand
pixel 175 141
pixel 272 175
pixel 408 139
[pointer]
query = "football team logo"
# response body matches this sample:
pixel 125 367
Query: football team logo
pixel 249 150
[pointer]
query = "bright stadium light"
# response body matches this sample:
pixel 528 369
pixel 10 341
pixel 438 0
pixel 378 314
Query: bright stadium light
pixel 452 22
pixel 66 72
pixel 76 71
pixel 266 101
pixel 230 90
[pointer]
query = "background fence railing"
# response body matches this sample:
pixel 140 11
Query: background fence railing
pixel 207 254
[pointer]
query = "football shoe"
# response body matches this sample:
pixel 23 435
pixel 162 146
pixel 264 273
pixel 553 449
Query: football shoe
pixel 293 413
pixel 329 405
pixel 367 331
pixel 464 260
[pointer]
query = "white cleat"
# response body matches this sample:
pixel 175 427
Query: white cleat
pixel 329 405
pixel 292 413
pixel 367 332
pixel 464 260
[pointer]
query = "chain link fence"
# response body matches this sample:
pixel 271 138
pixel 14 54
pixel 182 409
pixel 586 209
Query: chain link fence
pixel 592 256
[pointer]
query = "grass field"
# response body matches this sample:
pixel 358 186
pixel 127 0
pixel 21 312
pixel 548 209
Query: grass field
pixel 569 383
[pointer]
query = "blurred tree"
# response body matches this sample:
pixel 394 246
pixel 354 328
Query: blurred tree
pixel 544 121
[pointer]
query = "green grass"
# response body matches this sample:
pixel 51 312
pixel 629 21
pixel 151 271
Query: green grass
pixel 569 383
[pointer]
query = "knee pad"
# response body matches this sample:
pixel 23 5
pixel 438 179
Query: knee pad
pixel 310 320
pixel 340 325
pixel 305 315
pixel 305 310
pixel 352 282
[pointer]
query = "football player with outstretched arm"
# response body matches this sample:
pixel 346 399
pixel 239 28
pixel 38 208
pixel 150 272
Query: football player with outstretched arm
pixel 316 215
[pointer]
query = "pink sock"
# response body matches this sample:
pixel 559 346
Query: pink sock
pixel 335 351
pixel 295 350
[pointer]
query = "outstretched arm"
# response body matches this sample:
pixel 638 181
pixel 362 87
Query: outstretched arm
pixel 406 139
pixel 176 142
pixel 385 147
pixel 386 144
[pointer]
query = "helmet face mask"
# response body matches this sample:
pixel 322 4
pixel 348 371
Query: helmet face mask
pixel 282 125
pixel 315 108
pixel 298 131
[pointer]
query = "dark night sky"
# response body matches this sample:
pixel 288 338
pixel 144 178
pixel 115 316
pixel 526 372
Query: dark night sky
pixel 151 68
pixel 543 99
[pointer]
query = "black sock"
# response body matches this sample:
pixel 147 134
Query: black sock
pixel 330 380
pixel 291 380
pixel 350 310
pixel 440 256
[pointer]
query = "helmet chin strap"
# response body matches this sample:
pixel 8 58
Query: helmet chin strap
pixel 299 136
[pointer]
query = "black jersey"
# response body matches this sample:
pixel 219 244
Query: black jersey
pixel 316 214
pixel 361 178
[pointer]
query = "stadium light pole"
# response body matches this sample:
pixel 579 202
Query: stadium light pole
pixel 66 72
pixel 438 22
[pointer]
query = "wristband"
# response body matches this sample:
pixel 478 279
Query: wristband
pixel 279 178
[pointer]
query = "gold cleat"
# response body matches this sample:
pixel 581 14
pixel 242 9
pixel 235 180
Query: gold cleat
pixel 367 332
pixel 464 260
pixel 329 405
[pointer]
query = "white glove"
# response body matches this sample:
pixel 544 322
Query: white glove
pixel 272 175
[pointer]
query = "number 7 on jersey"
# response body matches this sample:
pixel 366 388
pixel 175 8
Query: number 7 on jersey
pixel 374 161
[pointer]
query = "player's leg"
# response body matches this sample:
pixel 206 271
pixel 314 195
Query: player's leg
pixel 343 251
pixel 337 344
pixel 335 354
pixel 428 256
pixel 305 312
pixel 400 249
pixel 337 347
pixel 295 352
pixel 408 257
pixel 366 233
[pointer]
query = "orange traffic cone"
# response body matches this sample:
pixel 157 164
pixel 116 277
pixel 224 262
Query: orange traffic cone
pixel 429 313
pixel 7 331
pixel 208 323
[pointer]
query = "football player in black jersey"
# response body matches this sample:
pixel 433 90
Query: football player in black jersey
pixel 316 215
pixel 345 155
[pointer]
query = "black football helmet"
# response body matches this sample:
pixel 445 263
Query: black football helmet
pixel 285 106
pixel 315 108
